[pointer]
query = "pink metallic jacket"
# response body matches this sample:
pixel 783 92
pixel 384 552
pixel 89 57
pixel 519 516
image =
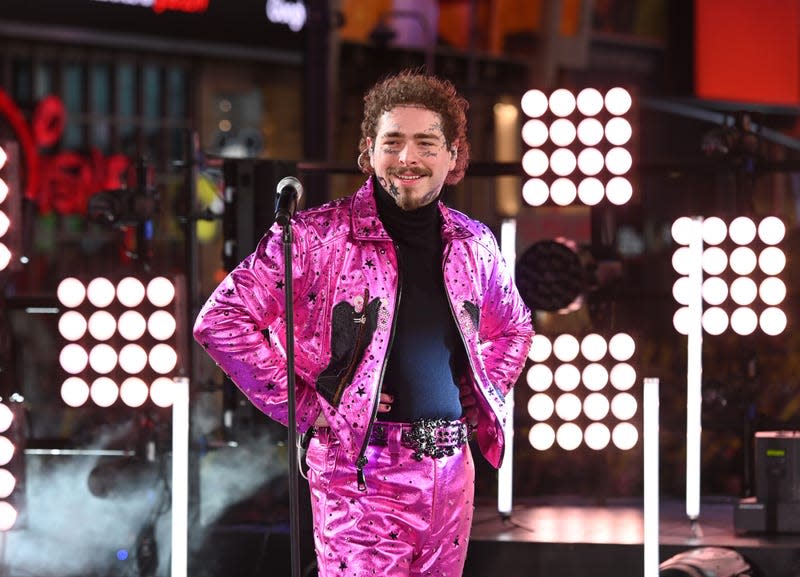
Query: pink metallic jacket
pixel 345 277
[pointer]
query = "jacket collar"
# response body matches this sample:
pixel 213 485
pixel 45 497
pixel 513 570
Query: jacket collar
pixel 366 225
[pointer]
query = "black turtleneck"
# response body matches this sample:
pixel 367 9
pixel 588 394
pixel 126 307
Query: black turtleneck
pixel 421 369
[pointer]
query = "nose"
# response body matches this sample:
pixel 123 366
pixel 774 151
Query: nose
pixel 408 155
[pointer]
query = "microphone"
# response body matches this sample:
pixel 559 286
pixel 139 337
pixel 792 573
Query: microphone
pixel 289 192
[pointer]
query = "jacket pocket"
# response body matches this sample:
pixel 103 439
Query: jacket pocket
pixel 351 334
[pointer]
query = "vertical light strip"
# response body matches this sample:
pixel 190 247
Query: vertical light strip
pixel 505 476
pixel 651 487
pixel 694 371
pixel 180 477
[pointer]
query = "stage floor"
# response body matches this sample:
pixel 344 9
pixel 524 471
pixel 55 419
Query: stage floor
pixel 572 537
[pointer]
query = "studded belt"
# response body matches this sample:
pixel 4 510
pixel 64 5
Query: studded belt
pixel 427 437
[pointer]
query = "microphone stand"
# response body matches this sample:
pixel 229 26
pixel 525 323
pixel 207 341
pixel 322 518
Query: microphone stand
pixel 294 511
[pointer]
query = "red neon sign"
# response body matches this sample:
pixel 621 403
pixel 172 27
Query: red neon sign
pixel 64 182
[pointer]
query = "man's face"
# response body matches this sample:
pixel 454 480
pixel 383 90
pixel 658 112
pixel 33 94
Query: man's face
pixel 410 155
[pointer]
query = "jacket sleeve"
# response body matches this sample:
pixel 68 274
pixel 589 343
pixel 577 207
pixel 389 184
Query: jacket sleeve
pixel 506 329
pixel 242 327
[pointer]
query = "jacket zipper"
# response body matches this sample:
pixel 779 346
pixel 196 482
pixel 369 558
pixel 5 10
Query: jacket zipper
pixel 351 367
pixel 458 326
pixel 361 461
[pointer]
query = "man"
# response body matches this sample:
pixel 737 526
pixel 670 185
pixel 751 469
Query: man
pixel 409 333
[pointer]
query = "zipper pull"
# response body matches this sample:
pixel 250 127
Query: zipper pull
pixel 362 482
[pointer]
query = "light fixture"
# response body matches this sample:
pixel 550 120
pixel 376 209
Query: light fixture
pixel 12 464
pixel 10 203
pixel 580 146
pixel 583 392
pixel 122 339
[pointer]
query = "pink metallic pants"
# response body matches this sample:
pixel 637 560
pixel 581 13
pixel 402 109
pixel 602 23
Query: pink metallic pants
pixel 413 519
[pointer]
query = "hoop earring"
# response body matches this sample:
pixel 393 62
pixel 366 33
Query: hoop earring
pixel 360 158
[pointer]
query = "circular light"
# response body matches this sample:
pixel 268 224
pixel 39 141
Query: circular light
pixel 743 291
pixel 591 191
pixel 590 161
pixel 771 230
pixel 161 325
pixel 131 325
pixel 743 260
pixel 618 131
pixel 597 436
pixel 74 391
pixel 621 346
pixel 134 392
pixel 534 133
pixel 624 406
pixel 102 325
pixel 562 102
pixel 619 190
pixel 714 230
pixel 562 161
pixel 742 230
pixel 715 290
pixel 593 347
pixel 595 406
pixel 104 392
pixel 568 407
pixel 625 436
pixel 6 418
pixel 744 321
pixel 6 451
pixel 73 358
pixel 589 101
pixel 590 132
pixel 682 260
pixel 534 103
pixel 595 376
pixel 71 292
pixel 618 101
pixel 684 230
pixel 714 320
pixel 683 289
pixel 4 223
pixel 622 376
pixel 3 158
pixel 72 325
pixel 772 321
pixel 130 292
pixel 772 260
pixel 563 191
pixel 102 359
pixel 772 291
pixel 714 260
pixel 3 190
pixel 566 348
pixel 541 347
pixel 540 407
pixel 160 291
pixel 535 162
pixel 100 292
pixel 541 436
pixel 682 320
pixel 163 358
pixel 8 516
pixel 162 392
pixel 535 192
pixel 562 132
pixel 567 377
pixel 5 256
pixel 132 359
pixel 569 436
pixel 7 483
pixel 539 377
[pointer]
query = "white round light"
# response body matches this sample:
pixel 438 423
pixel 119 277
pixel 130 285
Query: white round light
pixel 132 359
pixel 541 347
pixel 597 436
pixel 130 292
pixel 6 418
pixel 772 260
pixel 771 230
pixel 618 131
pixel 568 407
pixel 589 101
pixel 162 392
pixel 131 325
pixel 621 346
pixel 772 291
pixel 161 325
pixel 534 103
pixel 539 377
pixel 684 230
pixel 104 392
pixel 772 321
pixel 595 406
pixel 618 101
pixel 563 191
pixel 625 436
pixel 714 230
pixel 567 377
pixel 541 436
pixel 102 325
pixel 562 102
pixel 71 292
pixel 563 162
pixel 743 290
pixel 72 325
pixel 622 376
pixel 8 516
pixel 742 230
pixel 163 358
pixel 594 376
pixel 715 290
pixel 534 133
pixel 134 392
pixel 566 348
pixel 619 190
pixel 624 406
pixel 590 132
pixel 743 260
pixel 591 191
pixel 535 192
pixel 540 407
pixel 590 161
pixel 160 291
pixel 562 132
pixel 593 347
pixel 535 162
pixel 744 321
pixel 100 292
pixel 682 320
pixel 74 391
pixel 569 436
pixel 102 358
pixel 73 358
pixel 714 260
pixel 7 483
pixel 714 320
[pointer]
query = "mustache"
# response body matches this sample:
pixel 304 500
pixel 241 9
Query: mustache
pixel 414 170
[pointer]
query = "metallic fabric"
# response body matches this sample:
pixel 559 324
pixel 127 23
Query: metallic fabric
pixel 413 520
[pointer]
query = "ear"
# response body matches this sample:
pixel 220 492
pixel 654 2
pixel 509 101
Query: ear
pixel 370 144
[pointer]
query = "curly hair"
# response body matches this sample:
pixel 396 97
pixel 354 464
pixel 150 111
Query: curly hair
pixel 409 88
